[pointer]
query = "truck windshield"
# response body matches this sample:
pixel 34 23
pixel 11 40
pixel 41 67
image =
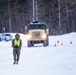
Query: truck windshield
pixel 36 26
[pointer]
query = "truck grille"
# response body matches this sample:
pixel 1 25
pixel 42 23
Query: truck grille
pixel 36 35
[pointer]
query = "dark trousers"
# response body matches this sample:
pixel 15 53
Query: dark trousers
pixel 16 55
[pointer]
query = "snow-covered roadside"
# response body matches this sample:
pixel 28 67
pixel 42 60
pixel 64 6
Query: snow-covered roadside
pixel 39 60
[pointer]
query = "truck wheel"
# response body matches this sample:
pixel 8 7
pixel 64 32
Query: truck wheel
pixel 45 43
pixel 32 44
pixel 0 39
pixel 29 44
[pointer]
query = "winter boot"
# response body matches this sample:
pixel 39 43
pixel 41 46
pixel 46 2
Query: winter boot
pixel 14 62
pixel 17 62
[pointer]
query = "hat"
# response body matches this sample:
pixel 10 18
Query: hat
pixel 17 35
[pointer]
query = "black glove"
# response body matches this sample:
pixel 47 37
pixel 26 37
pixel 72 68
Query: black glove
pixel 16 46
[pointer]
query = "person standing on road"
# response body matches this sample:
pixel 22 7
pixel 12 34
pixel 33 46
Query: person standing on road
pixel 16 44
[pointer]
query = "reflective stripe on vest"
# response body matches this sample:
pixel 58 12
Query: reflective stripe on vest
pixel 17 42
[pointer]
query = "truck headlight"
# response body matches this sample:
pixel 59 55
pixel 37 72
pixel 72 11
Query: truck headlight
pixel 44 36
pixel 29 36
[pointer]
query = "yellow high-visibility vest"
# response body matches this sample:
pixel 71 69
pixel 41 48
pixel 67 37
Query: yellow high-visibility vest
pixel 17 42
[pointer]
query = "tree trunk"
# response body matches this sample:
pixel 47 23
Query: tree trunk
pixel 23 15
pixel 59 18
pixel 9 13
pixel 67 25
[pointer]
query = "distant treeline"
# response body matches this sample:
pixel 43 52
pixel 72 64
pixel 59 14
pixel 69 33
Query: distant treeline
pixel 59 15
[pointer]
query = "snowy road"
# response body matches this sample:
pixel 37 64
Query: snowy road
pixel 39 60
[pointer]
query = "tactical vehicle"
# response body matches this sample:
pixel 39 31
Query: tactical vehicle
pixel 37 33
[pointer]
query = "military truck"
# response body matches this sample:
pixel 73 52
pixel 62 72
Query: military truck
pixel 37 33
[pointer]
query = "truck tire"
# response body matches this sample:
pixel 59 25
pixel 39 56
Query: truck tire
pixel 45 43
pixel 32 44
pixel 0 39
pixel 29 44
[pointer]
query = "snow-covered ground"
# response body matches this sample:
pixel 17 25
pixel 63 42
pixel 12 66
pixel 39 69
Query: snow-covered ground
pixel 39 60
